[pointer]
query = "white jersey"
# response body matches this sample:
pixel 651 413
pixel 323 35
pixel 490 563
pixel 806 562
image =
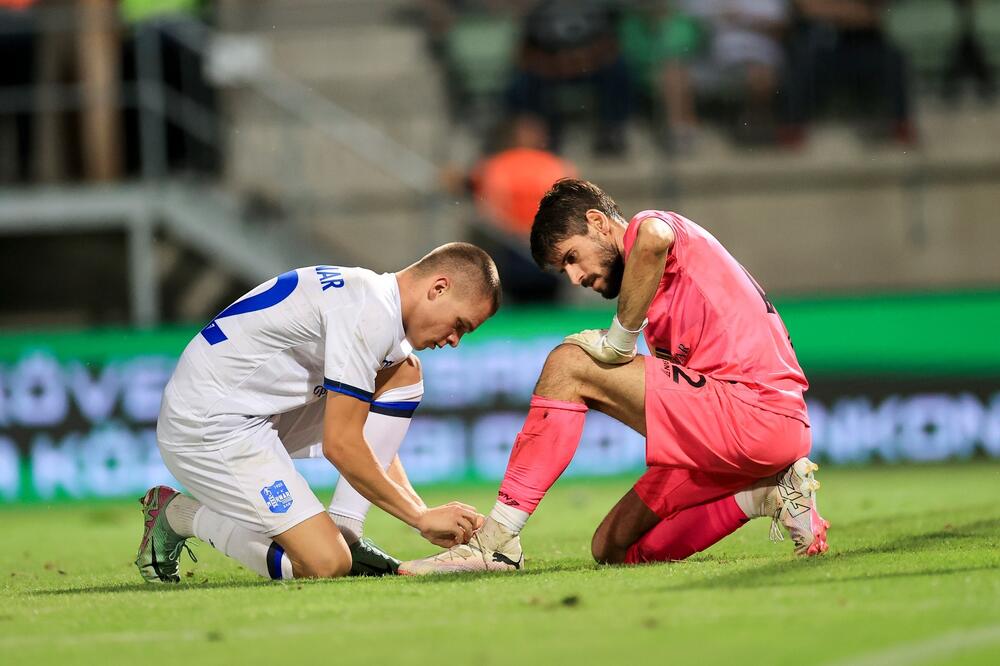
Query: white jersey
pixel 280 347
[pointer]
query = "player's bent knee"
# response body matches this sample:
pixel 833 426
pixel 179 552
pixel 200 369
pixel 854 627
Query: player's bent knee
pixel 326 567
pixel 566 360
pixel 568 354
pixel 412 370
pixel 604 549
pixel 407 373
pixel 598 547
pixel 316 548
pixel 561 373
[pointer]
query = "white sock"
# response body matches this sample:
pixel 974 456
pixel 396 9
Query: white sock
pixel 352 529
pixel 180 514
pixel 753 500
pixel 385 428
pixel 254 551
pixel 511 518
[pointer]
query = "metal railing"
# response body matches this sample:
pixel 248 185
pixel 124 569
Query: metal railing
pixel 210 217
pixel 159 102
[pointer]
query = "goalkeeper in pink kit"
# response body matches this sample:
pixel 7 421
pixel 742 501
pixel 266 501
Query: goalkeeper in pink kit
pixel 720 401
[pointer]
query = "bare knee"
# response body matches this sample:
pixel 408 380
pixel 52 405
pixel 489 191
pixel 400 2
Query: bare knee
pixel 605 549
pixel 623 526
pixel 564 368
pixel 332 565
pixel 407 373
pixel 565 357
pixel 316 548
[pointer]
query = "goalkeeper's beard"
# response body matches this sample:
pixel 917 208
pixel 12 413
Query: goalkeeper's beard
pixel 614 269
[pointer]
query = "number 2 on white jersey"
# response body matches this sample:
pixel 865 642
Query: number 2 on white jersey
pixel 279 291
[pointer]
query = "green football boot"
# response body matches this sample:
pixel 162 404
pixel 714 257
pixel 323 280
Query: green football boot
pixel 160 548
pixel 367 559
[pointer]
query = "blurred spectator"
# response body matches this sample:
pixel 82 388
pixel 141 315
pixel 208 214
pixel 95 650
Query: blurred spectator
pixel 661 39
pixel 440 17
pixel 506 187
pixel 573 43
pixel 719 50
pixel 841 46
pixel 746 58
pixel 967 59
pixel 17 53
pixel 473 41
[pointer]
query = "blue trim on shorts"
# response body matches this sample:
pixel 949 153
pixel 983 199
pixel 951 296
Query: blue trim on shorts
pixel 274 555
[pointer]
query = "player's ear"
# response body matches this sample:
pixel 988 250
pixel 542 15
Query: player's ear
pixel 598 221
pixel 438 287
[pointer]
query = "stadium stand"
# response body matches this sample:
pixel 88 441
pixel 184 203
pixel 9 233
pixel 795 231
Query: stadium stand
pixel 335 119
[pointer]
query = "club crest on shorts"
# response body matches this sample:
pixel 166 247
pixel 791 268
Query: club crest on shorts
pixel 277 497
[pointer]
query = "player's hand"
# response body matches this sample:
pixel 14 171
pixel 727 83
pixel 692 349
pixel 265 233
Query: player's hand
pixel 448 525
pixel 595 342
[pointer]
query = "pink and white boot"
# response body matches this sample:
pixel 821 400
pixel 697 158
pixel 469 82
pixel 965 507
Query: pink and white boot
pixel 794 506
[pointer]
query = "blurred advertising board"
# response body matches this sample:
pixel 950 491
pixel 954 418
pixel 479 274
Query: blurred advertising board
pixel 78 409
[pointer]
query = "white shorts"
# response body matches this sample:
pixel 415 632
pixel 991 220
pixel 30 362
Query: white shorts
pixel 252 480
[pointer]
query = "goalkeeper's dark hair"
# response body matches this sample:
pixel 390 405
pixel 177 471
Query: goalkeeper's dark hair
pixel 562 213
pixel 471 267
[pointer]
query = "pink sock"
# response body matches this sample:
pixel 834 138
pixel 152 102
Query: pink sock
pixel 687 532
pixel 542 451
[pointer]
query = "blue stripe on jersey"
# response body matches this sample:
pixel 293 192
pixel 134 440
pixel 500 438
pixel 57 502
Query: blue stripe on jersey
pixel 402 409
pixel 347 389
pixel 279 291
pixel 274 555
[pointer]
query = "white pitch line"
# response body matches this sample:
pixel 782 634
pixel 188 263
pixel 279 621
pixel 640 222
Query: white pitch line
pixel 917 652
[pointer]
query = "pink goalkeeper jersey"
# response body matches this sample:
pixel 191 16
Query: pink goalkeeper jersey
pixel 711 316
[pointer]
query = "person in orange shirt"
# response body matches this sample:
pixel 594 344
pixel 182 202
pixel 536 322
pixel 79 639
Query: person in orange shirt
pixel 507 185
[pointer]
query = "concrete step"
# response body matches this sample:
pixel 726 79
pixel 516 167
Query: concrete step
pixel 248 15
pixel 364 53
pixel 386 240
pixel 294 158
pixel 407 117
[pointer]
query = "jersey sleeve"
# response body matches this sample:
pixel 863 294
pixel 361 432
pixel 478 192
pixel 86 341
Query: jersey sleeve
pixel 676 222
pixel 681 235
pixel 357 343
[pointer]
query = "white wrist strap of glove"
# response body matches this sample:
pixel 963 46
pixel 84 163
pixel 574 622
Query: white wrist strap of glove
pixel 620 338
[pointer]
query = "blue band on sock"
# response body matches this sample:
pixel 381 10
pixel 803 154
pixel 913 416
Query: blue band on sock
pixel 401 409
pixel 274 555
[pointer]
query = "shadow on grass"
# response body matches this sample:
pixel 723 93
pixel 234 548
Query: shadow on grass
pixel 777 574
pixel 157 588
pixel 568 566
pixel 770 574
pixel 206 584
pixel 894 519
pixel 773 577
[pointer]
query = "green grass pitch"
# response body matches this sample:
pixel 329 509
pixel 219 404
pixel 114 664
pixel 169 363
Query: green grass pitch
pixel 913 576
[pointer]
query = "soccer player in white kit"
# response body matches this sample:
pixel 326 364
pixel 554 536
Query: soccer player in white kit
pixel 316 362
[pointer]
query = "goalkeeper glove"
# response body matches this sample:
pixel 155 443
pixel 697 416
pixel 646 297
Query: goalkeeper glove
pixel 614 346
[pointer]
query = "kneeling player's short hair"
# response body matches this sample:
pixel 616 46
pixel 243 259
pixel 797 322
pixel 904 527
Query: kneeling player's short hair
pixel 473 267
pixel 562 213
